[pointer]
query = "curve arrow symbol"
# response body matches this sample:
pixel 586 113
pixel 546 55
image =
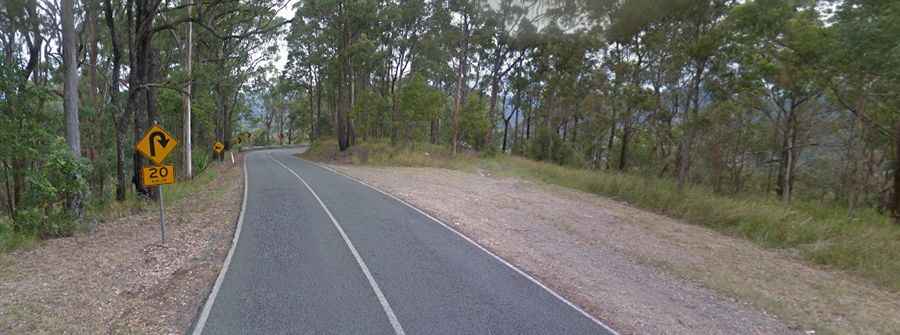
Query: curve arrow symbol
pixel 160 138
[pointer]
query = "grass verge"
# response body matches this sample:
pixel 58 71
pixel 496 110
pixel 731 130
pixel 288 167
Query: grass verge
pixel 866 244
pixel 11 240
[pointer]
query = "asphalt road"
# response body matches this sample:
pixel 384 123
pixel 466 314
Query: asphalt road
pixel 319 253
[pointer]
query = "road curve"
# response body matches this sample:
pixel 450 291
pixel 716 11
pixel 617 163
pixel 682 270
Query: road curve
pixel 319 253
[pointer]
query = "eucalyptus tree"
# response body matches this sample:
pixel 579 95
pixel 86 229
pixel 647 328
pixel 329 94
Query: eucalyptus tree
pixel 469 20
pixel 308 54
pixel 403 24
pixel 865 67
pixel 70 92
pixel 786 39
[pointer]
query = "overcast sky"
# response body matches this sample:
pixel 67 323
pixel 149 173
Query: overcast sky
pixel 288 13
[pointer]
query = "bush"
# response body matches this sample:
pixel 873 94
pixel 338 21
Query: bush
pixel 560 152
pixel 44 209
pixel 201 161
pixel 10 239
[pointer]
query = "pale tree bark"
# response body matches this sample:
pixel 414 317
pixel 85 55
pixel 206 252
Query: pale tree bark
pixel 70 93
pixel 788 153
pixel 460 81
pixel 70 81
pixel 186 97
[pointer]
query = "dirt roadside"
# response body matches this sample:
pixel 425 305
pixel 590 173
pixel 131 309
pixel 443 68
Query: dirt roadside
pixel 642 273
pixel 119 279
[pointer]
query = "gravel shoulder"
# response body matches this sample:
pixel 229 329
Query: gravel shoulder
pixel 120 279
pixel 641 272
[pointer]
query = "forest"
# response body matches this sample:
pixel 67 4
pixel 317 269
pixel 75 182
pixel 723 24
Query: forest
pixel 81 81
pixel 784 99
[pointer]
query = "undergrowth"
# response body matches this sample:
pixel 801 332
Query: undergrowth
pixel 108 210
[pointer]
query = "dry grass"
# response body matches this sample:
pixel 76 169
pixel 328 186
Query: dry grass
pixel 867 244
pixel 118 279
pixel 643 272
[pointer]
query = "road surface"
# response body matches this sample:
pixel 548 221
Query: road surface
pixel 319 253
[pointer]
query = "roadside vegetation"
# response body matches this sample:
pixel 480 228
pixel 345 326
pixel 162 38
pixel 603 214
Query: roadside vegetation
pixel 29 233
pixel 69 123
pixel 119 279
pixel 771 120
pixel 865 243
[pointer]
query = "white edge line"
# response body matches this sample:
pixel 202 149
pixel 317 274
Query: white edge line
pixel 207 307
pixel 395 323
pixel 479 246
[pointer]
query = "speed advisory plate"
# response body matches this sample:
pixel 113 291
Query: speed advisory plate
pixel 158 175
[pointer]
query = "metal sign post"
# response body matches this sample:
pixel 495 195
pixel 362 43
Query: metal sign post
pixel 156 144
pixel 162 216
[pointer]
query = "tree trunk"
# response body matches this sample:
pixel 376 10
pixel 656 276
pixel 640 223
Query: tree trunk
pixel 788 157
pixel 575 129
pixel 395 112
pixel 610 142
pixel 94 138
pixel 895 206
pixel 460 81
pixel 688 137
pixel 343 93
pixel 528 126
pixel 70 94
pixel 505 133
pixel 434 129
pixel 186 98
pixel 70 87
pixel 119 116
pixel 788 179
pixel 492 109
pixel 138 94
pixel 153 74
pixel 623 154
pixel 515 136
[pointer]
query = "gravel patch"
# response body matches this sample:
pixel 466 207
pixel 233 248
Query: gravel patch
pixel 641 272
pixel 120 279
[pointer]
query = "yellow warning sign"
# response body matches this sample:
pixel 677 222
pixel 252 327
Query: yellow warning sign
pixel 156 144
pixel 158 175
pixel 218 147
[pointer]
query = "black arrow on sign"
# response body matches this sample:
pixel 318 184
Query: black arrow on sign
pixel 161 139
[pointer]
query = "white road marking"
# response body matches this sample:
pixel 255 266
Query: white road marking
pixel 463 236
pixel 398 329
pixel 207 307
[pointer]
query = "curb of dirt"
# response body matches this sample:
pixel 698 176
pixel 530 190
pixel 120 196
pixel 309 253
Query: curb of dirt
pixel 471 241
pixel 200 320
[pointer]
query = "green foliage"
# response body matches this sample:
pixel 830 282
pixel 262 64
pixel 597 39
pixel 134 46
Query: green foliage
pixel 43 211
pixel 202 160
pixel 473 122
pixel 548 147
pixel 36 160
pixel 371 112
pixel 10 239
pixel 419 104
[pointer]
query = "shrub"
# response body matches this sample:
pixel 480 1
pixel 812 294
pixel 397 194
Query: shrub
pixel 201 161
pixel 43 211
